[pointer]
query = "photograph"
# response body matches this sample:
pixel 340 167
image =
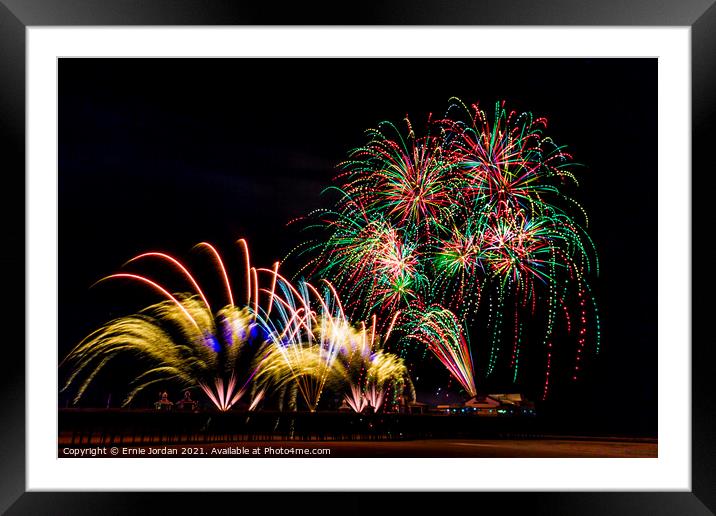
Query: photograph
pixel 357 257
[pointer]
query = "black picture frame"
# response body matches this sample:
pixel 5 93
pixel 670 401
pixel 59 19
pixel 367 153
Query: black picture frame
pixel 17 15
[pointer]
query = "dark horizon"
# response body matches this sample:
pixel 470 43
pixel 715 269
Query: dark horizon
pixel 159 154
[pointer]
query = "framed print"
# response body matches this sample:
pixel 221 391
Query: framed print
pixel 255 261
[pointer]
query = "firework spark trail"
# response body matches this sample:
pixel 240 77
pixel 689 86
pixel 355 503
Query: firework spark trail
pixel 355 399
pixel 157 287
pixel 440 331
pixel 217 257
pixel 179 266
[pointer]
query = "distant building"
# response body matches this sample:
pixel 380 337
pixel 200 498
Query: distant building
pixel 417 407
pixel 448 407
pixel 484 402
pixel 512 404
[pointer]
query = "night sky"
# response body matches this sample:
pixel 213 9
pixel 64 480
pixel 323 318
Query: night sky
pixel 161 154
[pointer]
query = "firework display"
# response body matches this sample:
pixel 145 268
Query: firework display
pixel 464 233
pixel 312 345
pixel 181 339
pixel 473 220
pixel 297 340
